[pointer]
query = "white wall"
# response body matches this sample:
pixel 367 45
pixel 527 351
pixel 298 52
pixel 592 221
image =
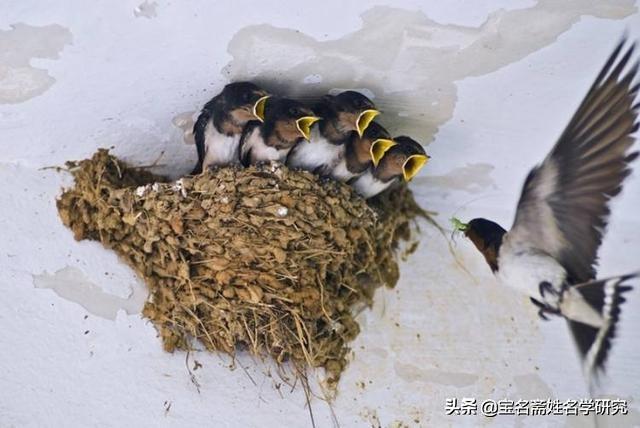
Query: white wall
pixel 488 84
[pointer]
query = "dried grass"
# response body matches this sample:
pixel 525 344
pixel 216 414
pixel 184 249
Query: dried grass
pixel 264 258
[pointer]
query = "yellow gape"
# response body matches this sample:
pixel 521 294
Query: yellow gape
pixel 412 165
pixel 379 148
pixel 304 125
pixel 258 108
pixel 364 119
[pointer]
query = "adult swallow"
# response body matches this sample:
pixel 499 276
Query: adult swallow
pixel 286 123
pixel 393 160
pixel 219 127
pixel 358 156
pixel 550 253
pixel 342 115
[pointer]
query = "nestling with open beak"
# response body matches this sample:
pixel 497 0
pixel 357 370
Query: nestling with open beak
pixel 219 127
pixel 342 115
pixel 393 160
pixel 286 123
pixel 357 156
pixel 550 253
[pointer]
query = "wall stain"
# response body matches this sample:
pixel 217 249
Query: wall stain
pixel 409 62
pixel 19 80
pixel 428 350
pixel 370 416
pixel 531 387
pixel 146 9
pixel 185 121
pixel 411 373
pixel 71 284
pixel 470 178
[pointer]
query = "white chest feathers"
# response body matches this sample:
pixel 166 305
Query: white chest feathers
pixel 341 173
pixel 255 147
pixel 524 270
pixel 368 186
pixel 315 153
pixel 220 149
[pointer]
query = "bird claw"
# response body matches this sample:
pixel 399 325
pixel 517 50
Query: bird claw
pixel 324 179
pixel 544 309
pixel 542 316
pixel 546 287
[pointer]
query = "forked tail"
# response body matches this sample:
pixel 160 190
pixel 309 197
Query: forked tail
pixel 604 296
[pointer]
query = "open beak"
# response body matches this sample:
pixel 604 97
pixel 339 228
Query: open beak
pixel 258 108
pixel 412 165
pixel 304 125
pixel 379 148
pixel 364 119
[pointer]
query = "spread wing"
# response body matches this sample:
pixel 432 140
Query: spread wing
pixel 563 207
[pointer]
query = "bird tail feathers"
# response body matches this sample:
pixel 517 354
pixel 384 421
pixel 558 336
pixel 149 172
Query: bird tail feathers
pixel 602 298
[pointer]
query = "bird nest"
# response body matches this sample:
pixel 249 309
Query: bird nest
pixel 265 258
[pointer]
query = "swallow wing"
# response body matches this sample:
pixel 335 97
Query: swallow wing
pixel 199 135
pixel 200 128
pixel 563 207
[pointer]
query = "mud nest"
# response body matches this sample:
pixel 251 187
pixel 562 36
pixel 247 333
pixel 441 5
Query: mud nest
pixel 265 258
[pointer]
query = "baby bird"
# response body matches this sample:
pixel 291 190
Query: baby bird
pixel 550 253
pixel 342 115
pixel 400 159
pixel 286 123
pixel 219 127
pixel 358 156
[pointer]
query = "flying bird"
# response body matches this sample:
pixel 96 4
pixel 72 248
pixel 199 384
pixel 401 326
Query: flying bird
pixel 342 115
pixel 550 252
pixel 286 123
pixel 220 124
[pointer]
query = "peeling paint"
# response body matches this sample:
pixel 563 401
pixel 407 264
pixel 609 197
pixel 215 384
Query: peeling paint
pixel 146 9
pixel 71 284
pixel 19 80
pixel 471 178
pixel 409 61
pixel 184 121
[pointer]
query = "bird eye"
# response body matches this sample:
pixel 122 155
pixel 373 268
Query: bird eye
pixel 361 103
